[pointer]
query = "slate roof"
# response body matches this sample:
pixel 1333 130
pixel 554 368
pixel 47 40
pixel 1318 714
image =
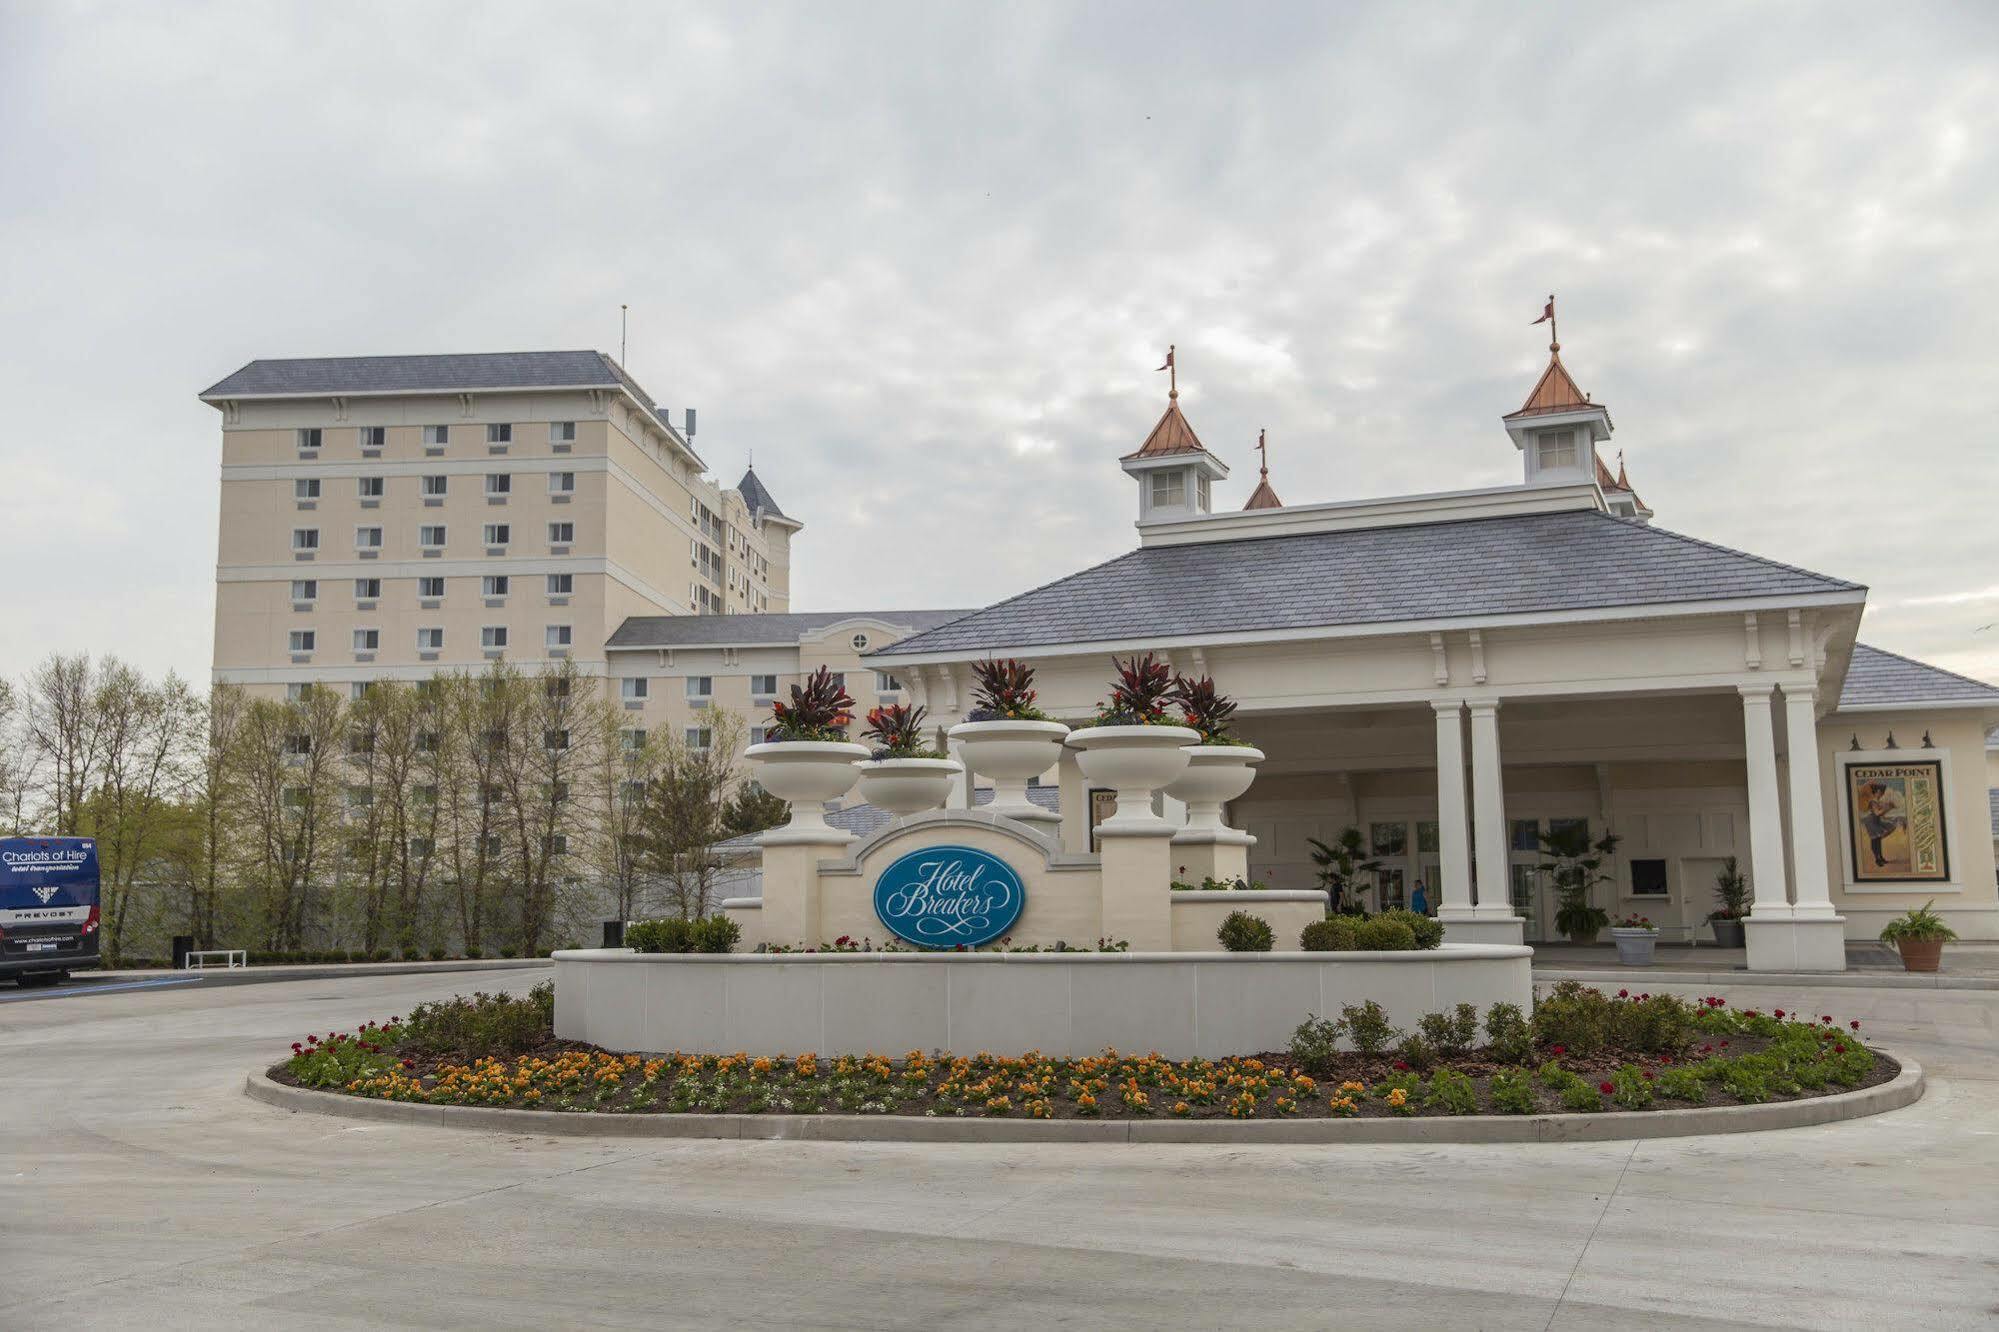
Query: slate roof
pixel 775 629
pixel 1882 679
pixel 1993 796
pixel 864 820
pixel 1516 564
pixel 756 498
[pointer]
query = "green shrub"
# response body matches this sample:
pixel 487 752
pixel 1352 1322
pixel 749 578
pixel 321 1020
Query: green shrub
pixel 1416 1051
pixel 1331 935
pixel 1368 1027
pixel 1512 1093
pixel 1587 1022
pixel 1452 1093
pixel 475 953
pixel 412 955
pixel 483 1024
pixel 1380 934
pixel 1581 1096
pixel 1633 1088
pixel 717 934
pixel 1315 1045
pixel 508 952
pixel 437 954
pixel 669 935
pixel 1244 933
pixel 1744 1081
pixel 1429 931
pixel 1509 1037
pixel 1682 1083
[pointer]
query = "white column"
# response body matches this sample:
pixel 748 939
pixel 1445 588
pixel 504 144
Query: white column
pixel 1453 830
pixel 1808 846
pixel 1488 797
pixel 1766 823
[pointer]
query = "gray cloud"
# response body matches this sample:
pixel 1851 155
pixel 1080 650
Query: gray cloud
pixel 922 260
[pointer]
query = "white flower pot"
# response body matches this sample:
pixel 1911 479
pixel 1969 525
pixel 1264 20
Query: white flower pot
pixel 1634 947
pixel 908 785
pixel 1215 775
pixel 1010 752
pixel 1134 761
pixel 805 774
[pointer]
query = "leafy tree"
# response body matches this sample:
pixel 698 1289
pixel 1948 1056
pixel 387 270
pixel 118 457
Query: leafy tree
pixel 682 818
pixel 1575 866
pixel 1340 866
pixel 752 810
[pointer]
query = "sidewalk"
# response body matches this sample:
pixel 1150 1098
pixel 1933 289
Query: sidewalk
pixel 1966 966
pixel 320 970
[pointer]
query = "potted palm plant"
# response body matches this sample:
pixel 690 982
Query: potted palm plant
pixel 1220 767
pixel 1919 934
pixel 1635 937
pixel 1134 747
pixel 1008 739
pixel 807 759
pixel 1731 889
pixel 1340 866
pixel 1575 865
pixel 903 775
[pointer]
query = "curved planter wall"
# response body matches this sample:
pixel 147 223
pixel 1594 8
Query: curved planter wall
pixel 1066 1004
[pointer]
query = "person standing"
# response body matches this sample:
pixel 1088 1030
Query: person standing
pixel 1419 899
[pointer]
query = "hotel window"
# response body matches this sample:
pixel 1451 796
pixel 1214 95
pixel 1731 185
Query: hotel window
pixel 699 737
pixel 306 488
pixel 494 585
pixel 556 636
pixel 562 432
pixel 634 688
pixel 1169 489
pixel 436 436
pixel 860 642
pixel 430 639
pixel 367 538
pixel 305 589
pixel 298 744
pixel 498 534
pixel 701 687
pixel 297 692
pixel 759 734
pixel 427 741
pixel 561 585
pixel 1524 834
pixel 308 438
pixel 499 484
pixel 555 738
pixel 367 589
pixel 1648 878
pixel 763 685
pixel 886 683
pixel 305 538
pixel 419 846
pixel 1388 839
pixel 302 640
pixel 1558 449
pixel 373 437
pixel 369 487
pixel 500 434
pixel 430 588
pixel 634 738
pixel 839 679
pixel 561 534
pixel 434 487
pixel 431 536
pixel 367 640
pixel 1201 488
pixel 561 483
pixel 493 636
pixel 555 844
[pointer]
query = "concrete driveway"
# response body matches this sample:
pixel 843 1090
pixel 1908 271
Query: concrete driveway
pixel 141 1188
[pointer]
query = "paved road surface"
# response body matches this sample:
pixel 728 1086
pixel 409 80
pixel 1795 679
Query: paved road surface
pixel 142 1189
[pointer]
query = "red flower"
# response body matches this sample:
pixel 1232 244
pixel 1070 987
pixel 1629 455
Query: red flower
pixel 1561 1049
pixel 1780 1015
pixel 1708 1048
pixel 1648 1075
pixel 312 1040
pixel 297 1048
pixel 1826 1017
pixel 1624 994
pixel 1401 1067
pixel 1605 1087
pixel 1724 1045
pixel 1840 1048
pixel 1855 1024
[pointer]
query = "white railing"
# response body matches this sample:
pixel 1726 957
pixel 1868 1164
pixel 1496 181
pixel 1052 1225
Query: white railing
pixel 197 960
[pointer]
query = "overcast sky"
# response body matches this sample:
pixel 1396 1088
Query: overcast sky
pixel 922 260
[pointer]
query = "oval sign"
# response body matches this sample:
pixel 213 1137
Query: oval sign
pixel 949 897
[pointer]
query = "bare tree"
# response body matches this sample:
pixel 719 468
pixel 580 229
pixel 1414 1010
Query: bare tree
pixel 143 736
pixel 559 721
pixel 627 766
pixel 63 728
pixel 289 764
pixel 684 815
pixel 218 795
pixel 479 715
pixel 17 765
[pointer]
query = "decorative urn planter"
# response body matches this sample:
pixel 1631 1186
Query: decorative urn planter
pixel 907 785
pixel 1727 932
pixel 1215 775
pixel 1134 761
pixel 1010 752
pixel 1920 954
pixel 805 774
pixel 1634 946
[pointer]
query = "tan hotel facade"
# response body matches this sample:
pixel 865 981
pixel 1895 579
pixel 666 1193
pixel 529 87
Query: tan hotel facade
pixel 389 517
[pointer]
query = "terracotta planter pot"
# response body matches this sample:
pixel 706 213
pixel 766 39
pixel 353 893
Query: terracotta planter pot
pixel 907 785
pixel 1920 954
pixel 1010 752
pixel 806 774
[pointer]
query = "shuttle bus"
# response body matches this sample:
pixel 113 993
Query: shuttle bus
pixel 48 907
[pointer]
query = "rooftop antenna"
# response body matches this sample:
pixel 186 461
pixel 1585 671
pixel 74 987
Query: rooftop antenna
pixel 621 332
pixel 690 423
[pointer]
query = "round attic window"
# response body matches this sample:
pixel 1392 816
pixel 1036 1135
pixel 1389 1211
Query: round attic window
pixel 860 642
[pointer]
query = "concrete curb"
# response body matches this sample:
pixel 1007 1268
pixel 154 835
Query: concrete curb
pixel 1852 980
pixel 263 975
pixel 1609 1126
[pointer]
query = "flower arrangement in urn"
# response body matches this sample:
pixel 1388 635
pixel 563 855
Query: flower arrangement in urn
pixel 820 709
pixel 1007 738
pixel 897 732
pixel 1140 693
pixel 1206 709
pixel 1635 937
pixel 1003 690
pixel 904 775
pixel 1219 763
pixel 1134 747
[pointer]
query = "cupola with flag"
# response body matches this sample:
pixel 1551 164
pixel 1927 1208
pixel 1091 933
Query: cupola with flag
pixel 1558 428
pixel 1264 496
pixel 1174 470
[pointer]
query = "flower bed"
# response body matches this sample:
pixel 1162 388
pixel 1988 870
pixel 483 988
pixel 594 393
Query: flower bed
pixel 1582 1052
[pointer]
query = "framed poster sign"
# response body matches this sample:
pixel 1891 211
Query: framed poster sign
pixel 1103 804
pixel 1895 821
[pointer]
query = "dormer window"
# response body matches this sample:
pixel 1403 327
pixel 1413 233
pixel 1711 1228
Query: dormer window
pixel 1169 489
pixel 1557 449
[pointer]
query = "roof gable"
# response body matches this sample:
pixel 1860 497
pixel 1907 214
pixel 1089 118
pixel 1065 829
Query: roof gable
pixel 773 629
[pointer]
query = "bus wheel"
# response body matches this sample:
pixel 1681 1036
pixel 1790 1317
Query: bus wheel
pixel 35 979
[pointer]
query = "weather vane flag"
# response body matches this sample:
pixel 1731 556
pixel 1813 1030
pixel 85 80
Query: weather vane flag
pixel 1172 374
pixel 1548 318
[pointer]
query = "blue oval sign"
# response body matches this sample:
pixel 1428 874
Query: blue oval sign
pixel 949 897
